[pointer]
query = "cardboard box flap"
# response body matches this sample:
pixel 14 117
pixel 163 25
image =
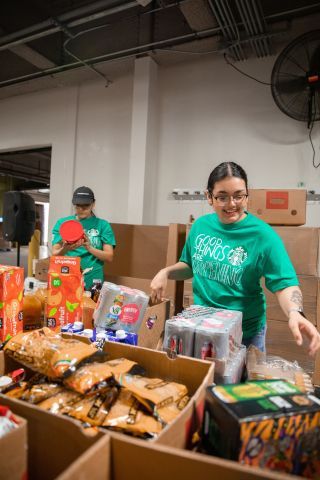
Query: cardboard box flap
pixel 160 462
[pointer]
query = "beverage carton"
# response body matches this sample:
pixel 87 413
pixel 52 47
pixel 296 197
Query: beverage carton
pixel 11 293
pixel 65 290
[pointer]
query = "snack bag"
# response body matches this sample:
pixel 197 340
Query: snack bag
pixel 65 291
pixel 93 410
pixel 46 352
pixel 127 415
pixel 60 402
pixel 153 393
pixel 11 292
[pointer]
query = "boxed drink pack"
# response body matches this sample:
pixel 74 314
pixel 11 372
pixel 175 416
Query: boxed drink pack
pixel 11 293
pixel 65 291
pixel 270 424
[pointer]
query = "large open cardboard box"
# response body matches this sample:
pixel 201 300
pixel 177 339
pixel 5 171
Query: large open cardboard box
pixel 58 448
pixel 195 374
pixel 13 452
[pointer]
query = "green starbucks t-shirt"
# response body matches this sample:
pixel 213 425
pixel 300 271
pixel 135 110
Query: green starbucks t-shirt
pixel 99 233
pixel 228 261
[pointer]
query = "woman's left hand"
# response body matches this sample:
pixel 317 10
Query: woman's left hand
pixel 301 327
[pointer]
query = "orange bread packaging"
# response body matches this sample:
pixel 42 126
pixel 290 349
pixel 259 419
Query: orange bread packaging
pixel 65 290
pixel 11 293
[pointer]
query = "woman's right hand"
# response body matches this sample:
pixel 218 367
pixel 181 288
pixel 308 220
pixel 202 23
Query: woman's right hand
pixel 158 286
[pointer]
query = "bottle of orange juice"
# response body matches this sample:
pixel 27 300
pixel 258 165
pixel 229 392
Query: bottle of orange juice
pixel 32 311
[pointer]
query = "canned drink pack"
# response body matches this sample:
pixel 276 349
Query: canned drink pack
pixel 120 308
pixel 179 335
pixel 234 368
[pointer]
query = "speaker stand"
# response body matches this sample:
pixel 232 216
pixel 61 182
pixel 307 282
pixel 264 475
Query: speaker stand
pixel 18 254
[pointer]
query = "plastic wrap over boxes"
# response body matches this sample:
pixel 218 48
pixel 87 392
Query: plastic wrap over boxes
pixel 209 334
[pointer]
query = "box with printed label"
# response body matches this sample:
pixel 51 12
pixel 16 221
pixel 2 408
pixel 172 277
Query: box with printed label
pixel 278 207
pixel 270 424
pixel 11 293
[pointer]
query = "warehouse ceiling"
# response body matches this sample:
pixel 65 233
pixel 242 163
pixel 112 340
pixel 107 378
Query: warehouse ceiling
pixel 45 44
pixel 54 43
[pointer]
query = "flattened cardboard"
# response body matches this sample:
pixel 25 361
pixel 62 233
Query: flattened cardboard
pixel 278 207
pixel 13 452
pixel 302 245
pixel 160 462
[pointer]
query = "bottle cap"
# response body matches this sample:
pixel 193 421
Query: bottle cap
pixel 77 326
pixel 5 380
pixel 121 334
pixel 87 332
pixel 71 231
pixel 101 335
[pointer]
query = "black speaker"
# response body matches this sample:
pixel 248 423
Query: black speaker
pixel 19 217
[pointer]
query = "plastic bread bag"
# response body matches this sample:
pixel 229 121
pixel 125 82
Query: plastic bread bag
pixel 261 366
pixel 93 410
pixel 127 415
pixel 46 352
pixel 42 391
pixel 15 391
pixel 153 392
pixel 60 402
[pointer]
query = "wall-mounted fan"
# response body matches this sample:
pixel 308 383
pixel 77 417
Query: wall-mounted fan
pixel 295 80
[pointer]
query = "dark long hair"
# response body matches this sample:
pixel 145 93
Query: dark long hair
pixel 224 170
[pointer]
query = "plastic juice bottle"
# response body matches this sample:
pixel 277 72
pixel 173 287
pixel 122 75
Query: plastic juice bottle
pixel 88 306
pixel 32 311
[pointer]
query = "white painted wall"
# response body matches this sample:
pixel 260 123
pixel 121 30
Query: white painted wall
pixel 209 113
pixel 204 113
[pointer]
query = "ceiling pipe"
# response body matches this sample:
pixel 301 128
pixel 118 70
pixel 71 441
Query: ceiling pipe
pixel 262 24
pixel 215 8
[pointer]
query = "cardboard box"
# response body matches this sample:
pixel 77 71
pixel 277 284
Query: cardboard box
pixel 153 323
pixel 57 445
pixel 41 269
pixel 160 462
pixel 316 375
pixel 195 374
pixel 11 292
pixel 302 245
pixel 311 301
pixel 13 452
pixel 278 207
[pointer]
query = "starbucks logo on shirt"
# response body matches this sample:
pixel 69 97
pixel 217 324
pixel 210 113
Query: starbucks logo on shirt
pixel 237 256
pixel 93 232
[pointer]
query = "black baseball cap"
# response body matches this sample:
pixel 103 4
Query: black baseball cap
pixel 83 196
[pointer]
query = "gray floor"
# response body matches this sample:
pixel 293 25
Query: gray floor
pixel 10 257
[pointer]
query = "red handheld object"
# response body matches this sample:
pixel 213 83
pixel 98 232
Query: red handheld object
pixel 71 231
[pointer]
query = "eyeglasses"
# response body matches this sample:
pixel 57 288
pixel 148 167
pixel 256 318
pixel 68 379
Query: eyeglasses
pixel 225 199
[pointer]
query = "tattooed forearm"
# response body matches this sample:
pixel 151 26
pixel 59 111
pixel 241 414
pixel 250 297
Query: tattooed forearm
pixel 296 297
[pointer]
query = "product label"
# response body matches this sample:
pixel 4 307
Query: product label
pixel 130 313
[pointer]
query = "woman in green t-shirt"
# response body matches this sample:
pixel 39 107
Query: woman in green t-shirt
pixel 98 244
pixel 228 252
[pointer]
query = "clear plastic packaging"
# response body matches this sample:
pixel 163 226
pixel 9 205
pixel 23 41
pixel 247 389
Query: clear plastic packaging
pixel 120 308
